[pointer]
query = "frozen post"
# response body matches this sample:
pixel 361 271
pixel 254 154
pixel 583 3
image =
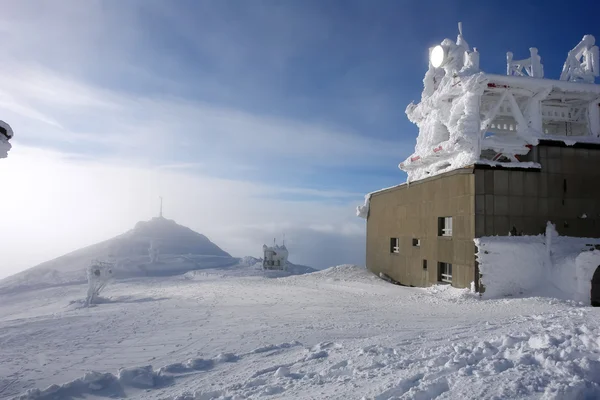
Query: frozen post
pixel 99 273
pixel 531 66
pixel 6 134
pixel 582 63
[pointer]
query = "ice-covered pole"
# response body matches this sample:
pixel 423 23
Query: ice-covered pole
pixel 6 134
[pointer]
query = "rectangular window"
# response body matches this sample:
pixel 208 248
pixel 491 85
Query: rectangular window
pixel 416 242
pixel 445 272
pixel 424 265
pixel 394 245
pixel 445 226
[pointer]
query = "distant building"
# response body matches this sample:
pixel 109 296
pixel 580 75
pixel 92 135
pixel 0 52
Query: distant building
pixel 496 155
pixel 275 257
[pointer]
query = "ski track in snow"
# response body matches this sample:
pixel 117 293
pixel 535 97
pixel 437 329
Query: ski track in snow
pixel 336 334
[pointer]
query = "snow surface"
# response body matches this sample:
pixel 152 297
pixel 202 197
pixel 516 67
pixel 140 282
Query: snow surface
pixel 338 334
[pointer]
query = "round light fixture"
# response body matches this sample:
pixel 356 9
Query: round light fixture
pixel 437 56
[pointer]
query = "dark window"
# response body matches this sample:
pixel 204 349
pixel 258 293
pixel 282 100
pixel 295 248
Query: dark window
pixel 445 272
pixel 416 242
pixel 394 245
pixel 445 226
pixel 424 265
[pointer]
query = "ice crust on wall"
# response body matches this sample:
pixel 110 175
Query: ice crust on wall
pixel 363 211
pixel 550 265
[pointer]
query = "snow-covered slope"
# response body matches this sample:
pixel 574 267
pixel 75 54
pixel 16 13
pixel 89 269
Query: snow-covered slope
pixel 180 248
pixel 341 333
pixel 247 267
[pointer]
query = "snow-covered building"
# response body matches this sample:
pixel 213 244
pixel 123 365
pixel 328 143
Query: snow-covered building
pixel 496 155
pixel 6 134
pixel 275 257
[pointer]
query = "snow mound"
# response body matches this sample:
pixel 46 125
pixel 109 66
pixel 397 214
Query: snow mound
pixel 250 261
pixel 346 272
pixel 450 293
pixel 342 273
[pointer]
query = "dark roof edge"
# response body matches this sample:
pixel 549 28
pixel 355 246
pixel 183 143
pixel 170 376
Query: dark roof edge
pixel 511 168
pixel 560 143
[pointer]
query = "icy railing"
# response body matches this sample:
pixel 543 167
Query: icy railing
pixel 531 66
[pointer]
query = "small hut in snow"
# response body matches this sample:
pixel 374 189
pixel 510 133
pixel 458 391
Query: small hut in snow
pixel 275 257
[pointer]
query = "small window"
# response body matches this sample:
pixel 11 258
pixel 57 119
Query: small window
pixel 424 265
pixel 394 245
pixel 445 226
pixel 416 242
pixel 445 272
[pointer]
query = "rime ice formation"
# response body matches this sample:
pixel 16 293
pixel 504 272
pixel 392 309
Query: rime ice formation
pixel 466 116
pixel 582 62
pixel 99 274
pixel 6 134
pixel 363 211
pixel 547 265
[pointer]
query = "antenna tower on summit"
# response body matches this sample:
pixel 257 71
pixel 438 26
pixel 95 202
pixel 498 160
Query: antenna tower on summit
pixel 160 214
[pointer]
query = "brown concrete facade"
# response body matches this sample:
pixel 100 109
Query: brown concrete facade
pixel 482 201
pixel 566 188
pixel 411 212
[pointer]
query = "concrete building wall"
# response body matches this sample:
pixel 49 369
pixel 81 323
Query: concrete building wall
pixel 411 212
pixel 566 188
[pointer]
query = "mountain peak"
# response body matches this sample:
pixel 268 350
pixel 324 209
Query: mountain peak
pixel 167 236
pixel 180 249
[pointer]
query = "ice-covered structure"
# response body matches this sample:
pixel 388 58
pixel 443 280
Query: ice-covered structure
pixel 467 116
pixel 99 274
pixel 549 264
pixel 6 134
pixel 497 157
pixel 275 257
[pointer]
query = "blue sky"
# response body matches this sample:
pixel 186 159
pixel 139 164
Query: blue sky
pixel 302 99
